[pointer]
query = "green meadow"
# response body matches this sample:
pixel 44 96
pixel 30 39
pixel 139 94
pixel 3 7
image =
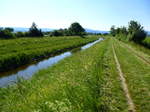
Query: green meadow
pixel 20 51
pixel 74 55
pixel 87 81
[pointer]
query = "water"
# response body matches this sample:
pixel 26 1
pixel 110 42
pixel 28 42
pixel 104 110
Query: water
pixel 29 70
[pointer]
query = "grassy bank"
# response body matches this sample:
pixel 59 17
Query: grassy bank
pixel 137 74
pixel 85 82
pixel 140 47
pixel 17 52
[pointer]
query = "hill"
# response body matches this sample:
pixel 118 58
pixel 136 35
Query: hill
pixel 21 29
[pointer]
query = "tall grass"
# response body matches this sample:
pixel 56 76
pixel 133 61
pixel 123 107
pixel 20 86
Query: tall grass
pixel 85 82
pixel 137 74
pixel 140 47
pixel 16 52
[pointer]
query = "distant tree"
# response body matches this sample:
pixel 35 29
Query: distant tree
pixel 1 29
pixel 9 29
pixel 66 32
pixel 47 33
pixel 6 33
pixel 34 31
pixel 117 31
pixel 136 32
pixel 56 33
pixel 20 34
pixel 61 32
pixel 121 33
pixel 98 34
pixel 123 30
pixel 76 29
pixel 113 31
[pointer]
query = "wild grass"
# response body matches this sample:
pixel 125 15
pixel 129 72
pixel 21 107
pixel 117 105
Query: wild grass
pixel 137 74
pixel 17 52
pixel 140 47
pixel 85 82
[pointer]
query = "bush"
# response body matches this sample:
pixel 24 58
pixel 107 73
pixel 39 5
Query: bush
pixel 6 33
pixel 56 33
pixel 20 34
pixel 146 42
pixel 136 32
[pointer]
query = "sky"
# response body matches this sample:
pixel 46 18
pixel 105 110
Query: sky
pixel 93 14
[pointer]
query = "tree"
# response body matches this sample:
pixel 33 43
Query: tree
pixel 34 31
pixel 6 33
pixel 76 29
pixel 9 29
pixel 123 30
pixel 122 33
pixel 113 31
pixel 66 32
pixel 136 32
pixel 20 34
pixel 56 33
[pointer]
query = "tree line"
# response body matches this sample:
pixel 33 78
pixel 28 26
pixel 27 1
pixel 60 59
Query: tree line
pixel 75 29
pixel 134 32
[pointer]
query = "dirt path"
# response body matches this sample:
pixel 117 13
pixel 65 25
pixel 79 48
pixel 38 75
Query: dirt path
pixel 124 84
pixel 136 54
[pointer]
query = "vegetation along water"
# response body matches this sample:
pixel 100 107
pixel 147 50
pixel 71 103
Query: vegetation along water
pixel 113 75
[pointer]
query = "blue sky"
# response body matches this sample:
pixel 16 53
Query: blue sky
pixel 94 14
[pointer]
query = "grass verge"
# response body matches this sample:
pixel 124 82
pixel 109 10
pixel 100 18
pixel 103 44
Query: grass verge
pixel 137 75
pixel 85 82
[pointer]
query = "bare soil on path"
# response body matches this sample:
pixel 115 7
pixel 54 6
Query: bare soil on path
pixel 124 84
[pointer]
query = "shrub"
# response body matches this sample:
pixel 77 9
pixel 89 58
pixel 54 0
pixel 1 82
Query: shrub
pixel 6 33
pixel 56 33
pixel 136 32
pixel 146 42
pixel 20 34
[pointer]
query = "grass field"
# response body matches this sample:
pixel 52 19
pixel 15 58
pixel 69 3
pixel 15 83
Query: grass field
pixel 138 47
pixel 137 73
pixel 83 85
pixel 16 52
pixel 87 81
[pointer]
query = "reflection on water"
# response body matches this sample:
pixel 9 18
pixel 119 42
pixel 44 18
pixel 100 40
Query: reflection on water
pixel 28 71
pixel 90 44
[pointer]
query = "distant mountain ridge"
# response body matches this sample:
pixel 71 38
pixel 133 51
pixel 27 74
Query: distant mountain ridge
pixel 95 31
pixel 148 32
pixel 21 29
